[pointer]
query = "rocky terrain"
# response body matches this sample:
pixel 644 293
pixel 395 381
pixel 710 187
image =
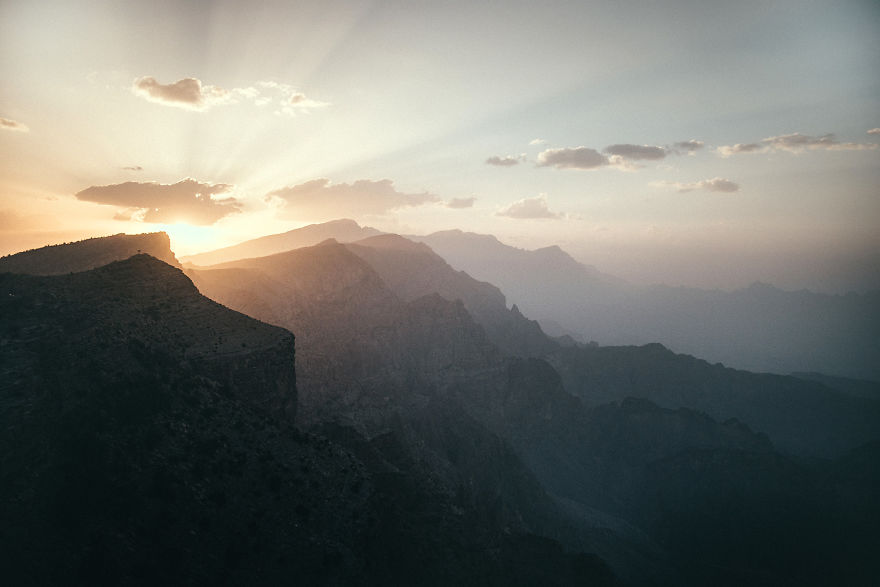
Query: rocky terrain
pixel 440 437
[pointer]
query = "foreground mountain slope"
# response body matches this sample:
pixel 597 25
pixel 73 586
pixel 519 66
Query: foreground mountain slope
pixel 340 230
pixel 88 254
pixel 146 439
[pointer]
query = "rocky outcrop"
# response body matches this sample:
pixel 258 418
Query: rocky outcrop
pixel 88 254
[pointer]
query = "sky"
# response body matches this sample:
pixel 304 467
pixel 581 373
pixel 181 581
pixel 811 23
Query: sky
pixel 707 144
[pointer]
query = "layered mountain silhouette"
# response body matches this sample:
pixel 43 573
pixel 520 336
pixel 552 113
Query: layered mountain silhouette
pixel 441 437
pixel 760 328
pixel 341 230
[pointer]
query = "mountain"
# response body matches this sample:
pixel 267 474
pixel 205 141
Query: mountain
pixel 412 270
pixel 382 354
pixel 424 452
pixel 760 328
pixel 146 437
pixel 340 230
pixel 88 254
pixel 804 418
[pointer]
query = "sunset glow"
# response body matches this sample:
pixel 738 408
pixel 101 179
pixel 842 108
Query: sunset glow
pixel 653 140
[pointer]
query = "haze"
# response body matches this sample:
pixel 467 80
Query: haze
pixel 692 143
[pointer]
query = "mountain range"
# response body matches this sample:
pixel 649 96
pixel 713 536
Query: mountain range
pixel 477 448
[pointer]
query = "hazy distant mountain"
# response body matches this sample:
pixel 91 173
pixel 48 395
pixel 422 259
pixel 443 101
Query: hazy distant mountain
pixel 760 328
pixel 341 230
pixel 88 254
pixel 412 270
pixel 805 418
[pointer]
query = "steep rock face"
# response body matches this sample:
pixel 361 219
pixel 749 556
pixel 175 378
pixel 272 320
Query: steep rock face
pixel 145 438
pixel 88 254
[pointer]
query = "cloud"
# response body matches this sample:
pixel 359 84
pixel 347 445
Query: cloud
pixel 459 203
pixel 133 168
pixel 795 143
pixel 874 131
pixel 319 199
pixel 191 94
pixel 529 208
pixel 537 142
pixel 727 151
pixel 13 125
pixel 185 201
pixel 188 93
pixel 636 152
pixel 572 158
pixel 689 146
pixel 505 161
pixel 716 184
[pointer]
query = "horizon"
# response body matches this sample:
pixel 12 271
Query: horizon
pixel 688 144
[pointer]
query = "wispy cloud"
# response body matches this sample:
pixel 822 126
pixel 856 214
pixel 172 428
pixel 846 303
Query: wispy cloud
pixel 133 168
pixel 537 142
pixel 529 208
pixel 716 184
pixel 187 201
pixel 460 203
pixel 13 125
pixel 191 94
pixel 505 161
pixel 319 199
pixel 874 131
pixel 794 143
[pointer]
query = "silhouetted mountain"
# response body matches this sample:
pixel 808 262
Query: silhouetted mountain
pixel 760 328
pixel 340 230
pixel 432 455
pixel 88 254
pixel 146 438
pixel 845 385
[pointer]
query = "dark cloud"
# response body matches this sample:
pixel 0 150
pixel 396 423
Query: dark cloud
pixel 13 125
pixel 185 201
pixel 319 199
pixel 506 161
pixel 636 152
pixel 716 184
pixel 529 208
pixel 795 143
pixel 572 158
pixel 459 203
pixel 187 93
pixel 689 146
